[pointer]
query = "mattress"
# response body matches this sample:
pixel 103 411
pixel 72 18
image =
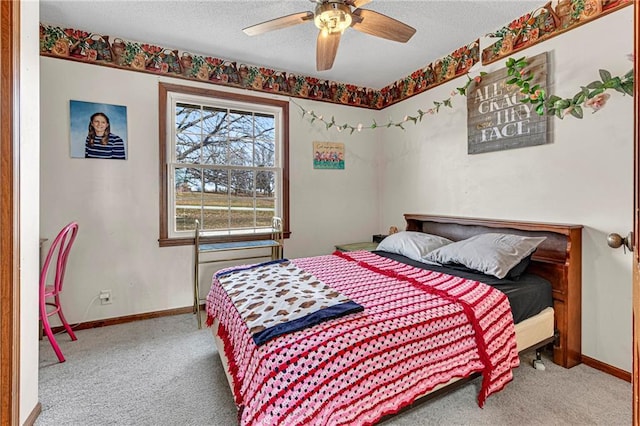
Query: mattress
pixel 528 295
pixel 528 332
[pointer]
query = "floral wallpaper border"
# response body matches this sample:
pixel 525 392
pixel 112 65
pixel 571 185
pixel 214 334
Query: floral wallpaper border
pixel 554 18
pixel 100 49
pixel 106 50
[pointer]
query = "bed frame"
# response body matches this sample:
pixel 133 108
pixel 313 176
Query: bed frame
pixel 558 259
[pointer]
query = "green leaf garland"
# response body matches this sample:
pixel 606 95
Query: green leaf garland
pixel 592 96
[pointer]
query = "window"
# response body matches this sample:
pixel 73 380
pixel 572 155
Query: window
pixel 223 161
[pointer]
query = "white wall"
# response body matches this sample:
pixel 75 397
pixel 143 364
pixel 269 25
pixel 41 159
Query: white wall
pixel 585 176
pixel 29 185
pixel 116 202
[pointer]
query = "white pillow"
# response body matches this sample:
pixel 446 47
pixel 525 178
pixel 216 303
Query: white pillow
pixel 492 253
pixel 414 245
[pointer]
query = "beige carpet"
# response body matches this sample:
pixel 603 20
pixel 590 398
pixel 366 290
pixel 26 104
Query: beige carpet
pixel 167 372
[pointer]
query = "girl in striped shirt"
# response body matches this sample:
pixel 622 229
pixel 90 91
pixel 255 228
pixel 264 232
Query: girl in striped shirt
pixel 100 142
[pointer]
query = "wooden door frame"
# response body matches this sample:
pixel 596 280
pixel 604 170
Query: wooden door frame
pixel 9 209
pixel 636 221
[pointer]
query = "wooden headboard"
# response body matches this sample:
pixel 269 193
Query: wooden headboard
pixel 558 259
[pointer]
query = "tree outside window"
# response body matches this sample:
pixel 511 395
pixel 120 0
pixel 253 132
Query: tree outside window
pixel 225 162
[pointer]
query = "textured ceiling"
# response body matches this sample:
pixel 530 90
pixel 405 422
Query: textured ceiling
pixel 215 28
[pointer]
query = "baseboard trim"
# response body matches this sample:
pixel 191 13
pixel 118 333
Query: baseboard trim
pixel 31 420
pixel 593 363
pixel 125 319
pixel 609 369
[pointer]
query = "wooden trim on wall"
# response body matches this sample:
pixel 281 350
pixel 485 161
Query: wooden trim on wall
pixel 594 363
pixel 606 368
pixel 9 196
pixel 31 420
pixel 129 318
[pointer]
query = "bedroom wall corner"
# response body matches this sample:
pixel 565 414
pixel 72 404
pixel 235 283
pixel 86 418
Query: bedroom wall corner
pixel 584 176
pixel 344 200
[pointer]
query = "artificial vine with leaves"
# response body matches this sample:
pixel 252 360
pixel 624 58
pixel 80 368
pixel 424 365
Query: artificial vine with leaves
pixel 593 95
pixel 407 118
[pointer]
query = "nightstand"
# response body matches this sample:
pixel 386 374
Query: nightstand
pixel 357 246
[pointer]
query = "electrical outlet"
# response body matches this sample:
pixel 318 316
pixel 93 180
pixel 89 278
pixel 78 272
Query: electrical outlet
pixel 105 297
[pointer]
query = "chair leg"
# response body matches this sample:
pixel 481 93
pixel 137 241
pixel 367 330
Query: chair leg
pixel 64 320
pixel 47 330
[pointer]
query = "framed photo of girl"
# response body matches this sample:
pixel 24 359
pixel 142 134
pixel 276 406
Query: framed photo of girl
pixel 98 130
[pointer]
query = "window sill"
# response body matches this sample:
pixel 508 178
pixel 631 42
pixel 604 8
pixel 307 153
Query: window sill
pixel 186 241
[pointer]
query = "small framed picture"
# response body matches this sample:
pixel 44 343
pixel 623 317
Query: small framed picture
pixel 328 155
pixel 98 130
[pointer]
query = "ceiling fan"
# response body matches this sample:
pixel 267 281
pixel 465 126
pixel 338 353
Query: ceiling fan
pixel 332 17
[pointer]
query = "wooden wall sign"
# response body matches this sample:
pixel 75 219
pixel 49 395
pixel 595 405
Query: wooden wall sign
pixel 497 120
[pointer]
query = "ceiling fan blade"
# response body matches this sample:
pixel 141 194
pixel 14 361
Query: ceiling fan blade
pixel 326 50
pixel 379 25
pixel 279 23
pixel 357 3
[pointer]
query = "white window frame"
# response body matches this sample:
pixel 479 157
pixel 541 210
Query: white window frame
pixel 176 97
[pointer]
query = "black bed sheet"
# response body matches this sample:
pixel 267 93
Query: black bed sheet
pixel 528 295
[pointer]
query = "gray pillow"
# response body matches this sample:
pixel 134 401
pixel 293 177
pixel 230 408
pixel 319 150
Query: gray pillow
pixel 414 245
pixel 493 254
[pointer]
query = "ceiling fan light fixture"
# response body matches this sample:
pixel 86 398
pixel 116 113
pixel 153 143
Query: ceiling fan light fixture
pixel 332 17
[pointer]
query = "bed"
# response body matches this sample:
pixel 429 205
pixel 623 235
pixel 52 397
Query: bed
pixel 329 374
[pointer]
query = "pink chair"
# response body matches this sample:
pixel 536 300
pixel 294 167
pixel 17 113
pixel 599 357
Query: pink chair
pixel 60 251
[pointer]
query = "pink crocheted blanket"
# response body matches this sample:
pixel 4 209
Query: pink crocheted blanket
pixel 418 329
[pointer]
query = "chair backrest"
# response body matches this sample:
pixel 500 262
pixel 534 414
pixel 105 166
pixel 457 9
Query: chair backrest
pixel 60 249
